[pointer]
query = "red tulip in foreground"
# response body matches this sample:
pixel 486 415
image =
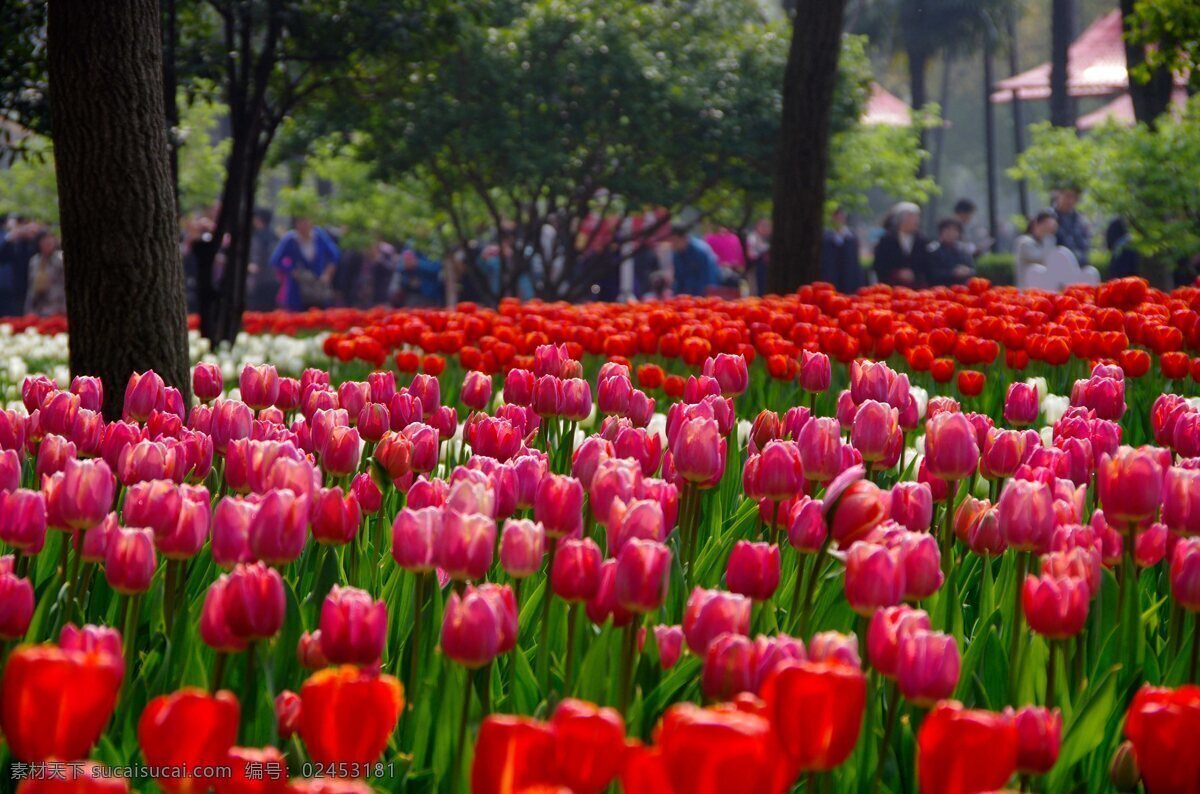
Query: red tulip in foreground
pixel 1163 724
pixel 186 730
pixel 961 751
pixel 347 715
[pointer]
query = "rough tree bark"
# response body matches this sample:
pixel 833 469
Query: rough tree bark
pixel 918 87
pixel 1151 98
pixel 1062 33
pixel 799 201
pixel 125 299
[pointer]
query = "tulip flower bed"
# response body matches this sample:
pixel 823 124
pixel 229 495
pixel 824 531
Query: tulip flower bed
pixel 938 542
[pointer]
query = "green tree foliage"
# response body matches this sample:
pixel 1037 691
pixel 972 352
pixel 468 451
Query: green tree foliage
pixel 28 186
pixel 1148 176
pixel 546 113
pixel 23 102
pixel 1171 28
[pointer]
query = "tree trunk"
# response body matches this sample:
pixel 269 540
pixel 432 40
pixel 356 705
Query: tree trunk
pixel 1151 98
pixel 124 278
pixel 918 70
pixel 1062 33
pixel 989 132
pixel 170 36
pixel 939 139
pixel 1018 120
pixel 798 217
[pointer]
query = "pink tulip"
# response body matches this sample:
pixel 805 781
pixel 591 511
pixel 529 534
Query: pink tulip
pixel 1056 608
pixel 698 452
pixel 729 667
pixel 184 539
pixel 129 561
pixel 259 385
pixel 815 371
pixel 415 535
pixel 640 518
pixel 428 493
pixel 603 604
pixel 820 445
pixel 207 383
pixel 753 570
pixel 927 666
pixel 255 602
pixel 428 390
pixel 1021 404
pixel 639 445
pixel 1003 452
pixel 730 371
pixel 214 622
pixel 922 565
pixel 613 394
pixel 466 545
pixel 1039 738
pixel 496 438
pixel 874 578
pixel 1026 515
pixel 99 640
pixel 887 628
pixel 53 454
pixel 34 390
pixel 576 572
pixel 279 528
pixel 142 394
pixel 835 647
pixel 558 505
pixel 1130 484
pixel 85 495
pixel 522 546
pixel 518 387
pixel 772 652
pixel 369 497
pixel 614 479
pixel 912 505
pixel 471 629
pixel 1185 574
pixel 230 421
pixel 806 526
pixel 231 531
pixel 710 613
pixel 404 409
pixel 476 390
pixel 874 429
pixel 335 516
pixel 642 575
pixel 1181 500
pixel 382 385
pixel 353 627
pixel 951 447
pixel 16 606
pixel 23 520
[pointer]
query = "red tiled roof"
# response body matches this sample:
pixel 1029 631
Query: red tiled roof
pixel 1096 67
pixel 886 109
pixel 1120 110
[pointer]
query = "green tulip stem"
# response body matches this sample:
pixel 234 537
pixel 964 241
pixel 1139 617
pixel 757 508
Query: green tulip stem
pixel 414 662
pixel 218 674
pixel 1195 662
pixel 813 577
pixel 1052 671
pixel 461 744
pixel 133 604
pixel 543 658
pixel 888 728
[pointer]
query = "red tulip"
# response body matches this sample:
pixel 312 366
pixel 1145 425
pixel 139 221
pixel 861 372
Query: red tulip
pixel 705 751
pixel 254 771
pixel 816 711
pixel 56 702
pixel 186 730
pixel 589 745
pixel 514 754
pixel 87 777
pixel 347 715
pixel 16 606
pixel 642 575
pixel 753 570
pixel 1163 724
pixel 558 505
pixel 254 601
pixel 965 750
pixel 576 572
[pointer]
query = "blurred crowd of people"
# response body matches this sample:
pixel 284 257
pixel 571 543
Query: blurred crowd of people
pixel 31 269
pixel 300 265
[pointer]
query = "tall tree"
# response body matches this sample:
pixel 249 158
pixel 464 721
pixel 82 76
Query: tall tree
pixel 808 91
pixel 1062 33
pixel 1151 82
pixel 124 277
pixel 270 58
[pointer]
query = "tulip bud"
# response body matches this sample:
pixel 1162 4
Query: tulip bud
pixel 642 575
pixel 522 546
pixel 129 561
pixel 279 528
pixel 927 667
pixel 815 371
pixel 874 578
pixel 335 516
pixel 353 627
pixel 23 520
pixel 207 383
pixel 912 505
pixel 255 602
pixel 1056 608
pixel 142 394
pixel 669 640
pixel 476 390
pixel 471 629
pixel 16 606
pixel 415 534
pixel 214 621
pixel 729 667
pixel 1021 404
pixel 465 546
pixel 576 572
pixel 1039 737
pixel 287 714
pixel 1123 771
pixel 753 570
pixel 309 653
pixel 887 628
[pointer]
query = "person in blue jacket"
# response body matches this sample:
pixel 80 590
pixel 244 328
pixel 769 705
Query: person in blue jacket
pixel 305 247
pixel 694 263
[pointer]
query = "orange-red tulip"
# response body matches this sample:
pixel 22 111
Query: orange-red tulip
pixel 348 714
